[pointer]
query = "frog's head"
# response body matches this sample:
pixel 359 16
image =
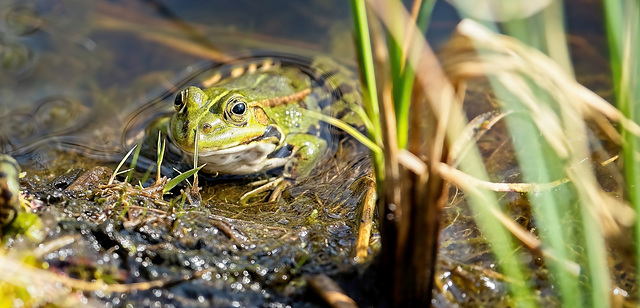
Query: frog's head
pixel 221 119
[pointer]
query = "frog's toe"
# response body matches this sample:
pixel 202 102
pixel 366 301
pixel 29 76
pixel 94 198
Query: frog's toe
pixel 277 191
pixel 274 183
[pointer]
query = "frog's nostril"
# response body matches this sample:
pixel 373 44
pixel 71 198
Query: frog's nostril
pixel 206 127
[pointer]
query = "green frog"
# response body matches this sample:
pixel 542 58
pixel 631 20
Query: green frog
pixel 256 119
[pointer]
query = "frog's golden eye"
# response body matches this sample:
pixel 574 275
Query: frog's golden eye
pixel 236 110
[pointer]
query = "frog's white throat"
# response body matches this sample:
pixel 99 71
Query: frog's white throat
pixel 259 155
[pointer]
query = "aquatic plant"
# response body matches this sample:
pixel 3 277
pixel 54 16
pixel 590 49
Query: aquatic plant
pixel 550 119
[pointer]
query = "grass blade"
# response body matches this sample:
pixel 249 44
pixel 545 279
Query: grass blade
pixel 346 128
pixel 367 74
pixel 402 74
pixel 116 172
pixel 160 155
pixel 134 160
pixel 183 176
pixel 622 25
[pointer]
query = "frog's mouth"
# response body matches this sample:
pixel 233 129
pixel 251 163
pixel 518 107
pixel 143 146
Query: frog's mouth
pixel 265 143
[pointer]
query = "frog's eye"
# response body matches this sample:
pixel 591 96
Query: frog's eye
pixel 236 110
pixel 179 102
pixel 239 108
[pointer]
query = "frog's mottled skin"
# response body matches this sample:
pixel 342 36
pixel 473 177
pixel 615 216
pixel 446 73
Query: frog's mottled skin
pixel 250 124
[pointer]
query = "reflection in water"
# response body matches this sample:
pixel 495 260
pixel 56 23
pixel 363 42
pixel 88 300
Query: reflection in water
pixel 21 19
pixel 18 21
pixel 41 100
pixel 18 126
pixel 58 112
pixel 52 118
pixel 66 123
pixel 15 59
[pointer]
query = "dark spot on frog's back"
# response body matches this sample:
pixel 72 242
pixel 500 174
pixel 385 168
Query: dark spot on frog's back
pixel 346 87
pixel 326 76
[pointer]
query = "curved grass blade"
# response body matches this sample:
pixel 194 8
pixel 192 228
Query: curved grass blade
pixel 347 129
pixel 134 161
pixel 116 172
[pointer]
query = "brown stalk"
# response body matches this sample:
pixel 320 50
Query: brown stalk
pixel 330 292
pixel 413 195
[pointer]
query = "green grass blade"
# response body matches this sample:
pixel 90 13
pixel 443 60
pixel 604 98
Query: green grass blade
pixel 613 22
pixel 147 174
pixel 538 164
pixel 180 211
pixel 555 35
pixel 160 155
pixel 367 72
pixel 403 75
pixel 182 177
pixel 195 159
pixel 134 161
pixel 115 172
pixel 346 128
pixel 482 203
pixel 622 25
pixel 524 95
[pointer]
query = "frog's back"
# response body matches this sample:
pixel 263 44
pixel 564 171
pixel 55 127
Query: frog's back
pixel 263 86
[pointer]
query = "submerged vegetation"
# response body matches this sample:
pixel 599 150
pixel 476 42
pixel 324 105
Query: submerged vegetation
pixel 500 179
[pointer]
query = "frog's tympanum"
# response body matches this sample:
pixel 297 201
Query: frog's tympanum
pixel 251 122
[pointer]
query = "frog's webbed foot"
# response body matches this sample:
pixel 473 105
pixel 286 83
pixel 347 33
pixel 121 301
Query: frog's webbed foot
pixel 278 184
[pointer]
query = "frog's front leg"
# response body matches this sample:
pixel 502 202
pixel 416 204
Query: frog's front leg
pixel 307 152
